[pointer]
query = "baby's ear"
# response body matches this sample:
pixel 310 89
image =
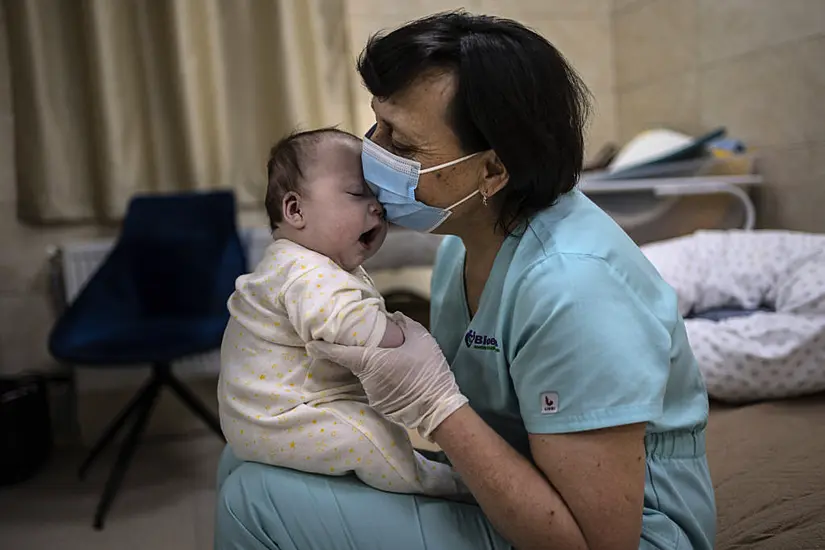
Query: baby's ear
pixel 291 210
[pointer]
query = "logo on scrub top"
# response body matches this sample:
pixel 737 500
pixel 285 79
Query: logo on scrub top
pixel 549 402
pixel 475 340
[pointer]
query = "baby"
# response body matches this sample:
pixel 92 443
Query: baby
pixel 278 405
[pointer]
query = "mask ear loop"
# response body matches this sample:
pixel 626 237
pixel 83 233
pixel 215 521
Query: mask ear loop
pixel 446 164
pixel 462 201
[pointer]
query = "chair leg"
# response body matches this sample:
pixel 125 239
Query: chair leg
pixel 126 453
pixel 138 401
pixel 194 404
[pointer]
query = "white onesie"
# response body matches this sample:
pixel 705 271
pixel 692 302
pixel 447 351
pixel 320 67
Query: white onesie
pixel 281 407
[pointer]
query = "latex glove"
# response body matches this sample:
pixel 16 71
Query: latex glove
pixel 411 385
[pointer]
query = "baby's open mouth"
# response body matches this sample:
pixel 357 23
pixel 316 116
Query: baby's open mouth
pixel 368 237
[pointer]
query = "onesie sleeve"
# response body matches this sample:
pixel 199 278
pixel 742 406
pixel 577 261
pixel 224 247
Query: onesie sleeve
pixel 324 302
pixel 586 352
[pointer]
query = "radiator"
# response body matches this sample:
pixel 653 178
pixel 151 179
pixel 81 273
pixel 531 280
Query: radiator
pixel 76 262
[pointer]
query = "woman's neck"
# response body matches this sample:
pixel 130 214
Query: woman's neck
pixel 482 241
pixel 482 244
pixel 481 252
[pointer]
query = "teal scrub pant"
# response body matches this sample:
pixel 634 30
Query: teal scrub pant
pixel 262 507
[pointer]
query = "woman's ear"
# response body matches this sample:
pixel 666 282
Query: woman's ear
pixel 495 175
pixel 291 210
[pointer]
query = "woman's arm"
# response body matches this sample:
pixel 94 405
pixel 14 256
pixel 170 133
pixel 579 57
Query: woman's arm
pixel 593 498
pixel 587 491
pixel 393 335
pixel 514 495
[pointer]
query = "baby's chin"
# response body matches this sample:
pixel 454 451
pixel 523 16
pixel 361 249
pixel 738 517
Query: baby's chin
pixel 350 259
pixel 377 243
pixel 365 253
pixel 359 254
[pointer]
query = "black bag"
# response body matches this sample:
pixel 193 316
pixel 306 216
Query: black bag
pixel 25 428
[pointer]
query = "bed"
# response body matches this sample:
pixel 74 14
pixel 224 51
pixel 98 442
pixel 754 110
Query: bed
pixel 754 303
pixel 767 461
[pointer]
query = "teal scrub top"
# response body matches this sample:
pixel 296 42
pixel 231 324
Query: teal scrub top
pixel 576 330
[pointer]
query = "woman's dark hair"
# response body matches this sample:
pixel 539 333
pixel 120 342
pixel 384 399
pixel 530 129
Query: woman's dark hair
pixel 516 95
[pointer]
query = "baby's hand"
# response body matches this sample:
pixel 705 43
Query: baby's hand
pixel 393 335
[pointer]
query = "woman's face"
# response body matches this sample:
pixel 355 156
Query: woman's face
pixel 414 124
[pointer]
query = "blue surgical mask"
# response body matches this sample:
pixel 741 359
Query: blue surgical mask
pixel 393 180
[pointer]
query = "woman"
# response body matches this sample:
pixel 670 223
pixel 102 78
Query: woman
pixel 578 418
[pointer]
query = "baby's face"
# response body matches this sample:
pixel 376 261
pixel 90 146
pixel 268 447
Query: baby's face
pixel 344 221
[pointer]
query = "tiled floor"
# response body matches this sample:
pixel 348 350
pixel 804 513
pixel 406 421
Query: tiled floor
pixel 166 501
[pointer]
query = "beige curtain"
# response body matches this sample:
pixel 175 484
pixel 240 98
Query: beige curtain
pixel 116 97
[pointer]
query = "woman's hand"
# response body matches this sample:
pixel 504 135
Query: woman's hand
pixel 411 384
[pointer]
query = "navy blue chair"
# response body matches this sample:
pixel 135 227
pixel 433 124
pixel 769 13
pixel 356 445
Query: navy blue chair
pixel 158 297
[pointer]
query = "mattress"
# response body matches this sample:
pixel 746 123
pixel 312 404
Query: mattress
pixel 767 461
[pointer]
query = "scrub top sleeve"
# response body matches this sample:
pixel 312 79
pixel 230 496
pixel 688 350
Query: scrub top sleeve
pixel 586 352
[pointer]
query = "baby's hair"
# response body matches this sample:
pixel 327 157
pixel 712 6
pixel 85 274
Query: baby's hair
pixel 285 168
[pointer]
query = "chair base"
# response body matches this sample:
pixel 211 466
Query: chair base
pixel 138 410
